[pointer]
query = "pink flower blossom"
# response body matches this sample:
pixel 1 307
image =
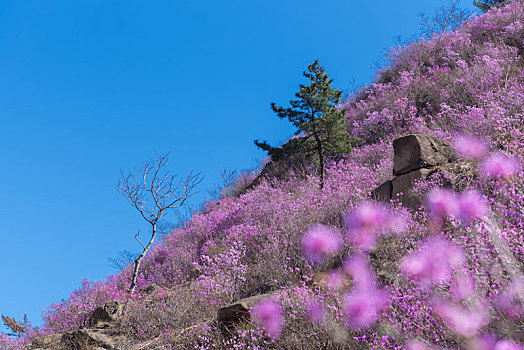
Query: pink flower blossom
pixel 357 267
pixel 471 147
pixel 507 345
pixel 471 206
pixel 433 263
pixel 320 242
pixel 362 307
pixel 268 314
pixel 498 165
pixel 464 321
pixel 489 342
pixel 364 222
pixel 441 202
pixel 315 311
pixel 510 300
pixel 336 279
pixel 418 345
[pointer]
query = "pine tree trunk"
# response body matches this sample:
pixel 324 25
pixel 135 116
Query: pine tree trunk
pixel 320 159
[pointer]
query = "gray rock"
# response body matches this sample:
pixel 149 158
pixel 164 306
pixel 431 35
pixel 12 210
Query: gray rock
pixel 82 339
pixel 106 314
pixel 383 192
pixel 86 339
pixel 48 342
pixel 418 151
pixel 237 313
pixel 151 289
pixel 403 188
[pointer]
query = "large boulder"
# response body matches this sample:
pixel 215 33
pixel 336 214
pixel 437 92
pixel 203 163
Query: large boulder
pixel 106 314
pixel 233 315
pixel 402 188
pixel 81 339
pixel 416 157
pixel 418 151
pixel 52 341
pixel 87 339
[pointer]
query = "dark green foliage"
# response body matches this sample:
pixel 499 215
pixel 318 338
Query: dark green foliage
pixel 485 5
pixel 321 131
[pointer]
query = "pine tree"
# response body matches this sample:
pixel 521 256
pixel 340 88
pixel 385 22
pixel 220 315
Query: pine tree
pixel 321 131
pixel 485 5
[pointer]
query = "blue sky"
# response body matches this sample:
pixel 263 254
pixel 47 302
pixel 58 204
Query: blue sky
pixel 90 87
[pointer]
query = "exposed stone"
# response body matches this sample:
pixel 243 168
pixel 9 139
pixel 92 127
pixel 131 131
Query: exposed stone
pixel 383 192
pixel 418 151
pixel 151 289
pixel 106 314
pixel 235 314
pixel 86 339
pixel 403 188
pixel 48 342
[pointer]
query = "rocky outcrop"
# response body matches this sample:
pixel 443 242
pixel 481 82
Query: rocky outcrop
pixel 233 315
pixel 90 339
pixel 81 339
pixel 417 151
pixel 106 314
pixel 416 157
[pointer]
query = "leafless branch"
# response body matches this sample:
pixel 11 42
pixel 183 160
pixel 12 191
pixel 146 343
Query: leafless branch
pixel 154 194
pixel 446 18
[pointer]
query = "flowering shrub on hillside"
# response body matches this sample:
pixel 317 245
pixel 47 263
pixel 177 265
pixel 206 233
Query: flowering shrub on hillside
pixel 371 276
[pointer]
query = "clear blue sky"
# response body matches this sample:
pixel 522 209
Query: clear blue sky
pixel 89 87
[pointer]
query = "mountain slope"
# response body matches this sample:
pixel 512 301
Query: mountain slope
pixel 470 81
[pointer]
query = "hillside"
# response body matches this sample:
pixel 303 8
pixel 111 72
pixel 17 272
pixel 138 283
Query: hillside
pixel 373 276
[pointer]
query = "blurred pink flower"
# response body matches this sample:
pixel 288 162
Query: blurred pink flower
pixel 507 345
pixel 357 267
pixel 471 206
pixel 510 300
pixel 362 306
pixel 464 321
pixel 471 147
pixel 320 242
pixel 336 279
pixel 268 314
pixel 364 221
pixel 441 202
pixel 433 263
pixel 464 287
pixel 498 165
pixel 489 342
pixel 418 345
pixel 315 311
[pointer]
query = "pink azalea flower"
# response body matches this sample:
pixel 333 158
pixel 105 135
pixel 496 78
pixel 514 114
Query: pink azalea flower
pixel 471 206
pixel 357 267
pixel 433 263
pixel 315 311
pixel 471 147
pixel 364 222
pixel 498 165
pixel 441 202
pixel 464 321
pixel 336 279
pixel 320 242
pixel 507 345
pixel 418 345
pixel 268 314
pixel 489 342
pixel 363 305
pixel 509 301
pixel 483 342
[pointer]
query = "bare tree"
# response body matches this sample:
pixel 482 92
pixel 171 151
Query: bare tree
pixel 153 190
pixel 446 18
pixel 123 258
